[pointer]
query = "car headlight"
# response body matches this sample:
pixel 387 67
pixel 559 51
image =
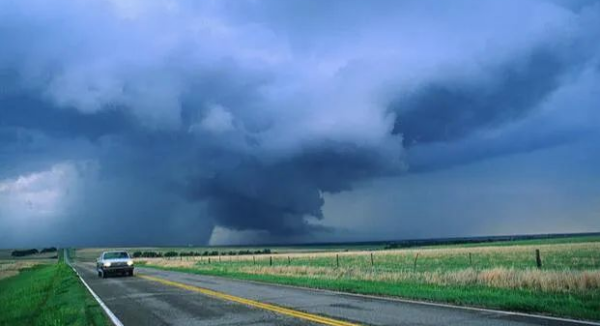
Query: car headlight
pixel 107 264
pixel 130 263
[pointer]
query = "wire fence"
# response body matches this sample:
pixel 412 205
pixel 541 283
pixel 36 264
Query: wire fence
pixel 562 257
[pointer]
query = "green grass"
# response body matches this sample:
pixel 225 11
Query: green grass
pixel 426 282
pixel 48 294
pixel 581 306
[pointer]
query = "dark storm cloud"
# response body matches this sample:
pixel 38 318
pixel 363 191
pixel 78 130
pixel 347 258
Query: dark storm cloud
pixel 549 125
pixel 282 194
pixel 449 110
pixel 27 112
pixel 156 122
pixel 456 119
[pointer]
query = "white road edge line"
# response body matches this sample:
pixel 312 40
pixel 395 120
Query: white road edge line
pixel 110 314
pixel 416 302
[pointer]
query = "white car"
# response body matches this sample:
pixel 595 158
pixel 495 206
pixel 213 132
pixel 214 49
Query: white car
pixel 114 262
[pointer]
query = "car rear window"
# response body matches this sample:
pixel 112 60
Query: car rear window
pixel 115 255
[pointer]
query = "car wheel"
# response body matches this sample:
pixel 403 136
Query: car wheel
pixel 99 274
pixel 131 273
pixel 104 275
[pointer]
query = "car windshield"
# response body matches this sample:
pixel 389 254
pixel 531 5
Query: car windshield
pixel 115 255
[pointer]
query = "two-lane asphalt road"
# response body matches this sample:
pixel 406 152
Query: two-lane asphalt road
pixel 155 297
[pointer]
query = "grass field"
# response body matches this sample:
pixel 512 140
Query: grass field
pixel 47 294
pixel 501 276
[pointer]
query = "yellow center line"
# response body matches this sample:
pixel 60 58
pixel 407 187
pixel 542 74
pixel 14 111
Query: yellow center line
pixel 253 303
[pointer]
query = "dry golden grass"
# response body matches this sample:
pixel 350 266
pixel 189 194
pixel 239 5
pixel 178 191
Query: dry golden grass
pixel 509 278
pixel 162 262
pixel 11 268
pixel 502 276
pixel 571 266
pixel 423 252
pixel 532 279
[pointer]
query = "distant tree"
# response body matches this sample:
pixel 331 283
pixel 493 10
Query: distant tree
pixel 170 254
pixel 188 254
pixel 137 254
pixel 22 253
pixel 50 249
pixel 151 254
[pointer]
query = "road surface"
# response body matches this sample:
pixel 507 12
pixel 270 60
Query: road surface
pixel 156 297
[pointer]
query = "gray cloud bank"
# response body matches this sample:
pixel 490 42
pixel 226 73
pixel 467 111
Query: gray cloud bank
pixel 153 122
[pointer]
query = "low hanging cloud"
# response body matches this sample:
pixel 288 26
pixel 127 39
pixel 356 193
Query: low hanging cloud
pixel 243 114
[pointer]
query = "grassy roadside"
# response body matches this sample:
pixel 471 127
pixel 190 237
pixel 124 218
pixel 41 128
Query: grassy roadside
pixel 580 306
pixel 48 294
pixel 498 277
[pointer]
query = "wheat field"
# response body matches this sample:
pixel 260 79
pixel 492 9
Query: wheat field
pixel 566 267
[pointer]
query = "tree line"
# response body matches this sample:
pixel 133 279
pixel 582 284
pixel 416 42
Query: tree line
pixel 158 254
pixel 28 252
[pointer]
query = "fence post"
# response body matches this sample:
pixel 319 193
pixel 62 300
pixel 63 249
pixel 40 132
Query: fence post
pixel 538 259
pixel 372 262
pixel 270 260
pixel 219 257
pixel 415 265
pixel 337 260
pixel 470 260
pixel 254 260
pixel 289 261
pixel 209 260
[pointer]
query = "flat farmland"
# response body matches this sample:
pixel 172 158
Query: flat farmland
pixel 5 254
pixel 11 266
pixel 89 254
pixel 502 275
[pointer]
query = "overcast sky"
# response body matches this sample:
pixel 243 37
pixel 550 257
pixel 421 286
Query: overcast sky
pixel 166 122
